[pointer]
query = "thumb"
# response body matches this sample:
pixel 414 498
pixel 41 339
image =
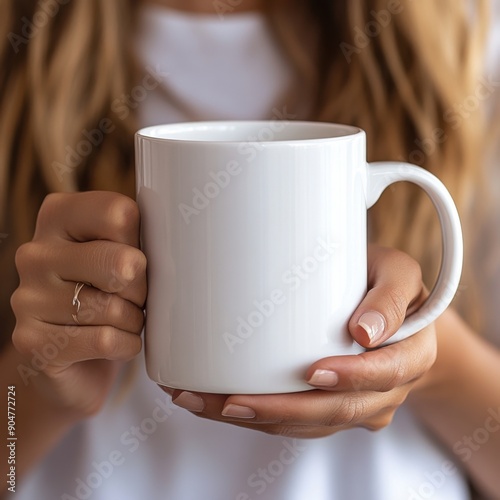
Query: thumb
pixel 395 290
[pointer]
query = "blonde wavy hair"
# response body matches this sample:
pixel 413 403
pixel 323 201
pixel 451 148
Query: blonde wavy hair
pixel 395 69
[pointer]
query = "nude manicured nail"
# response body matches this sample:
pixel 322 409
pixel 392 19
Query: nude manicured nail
pixel 189 401
pixel 324 378
pixel 373 323
pixel 238 411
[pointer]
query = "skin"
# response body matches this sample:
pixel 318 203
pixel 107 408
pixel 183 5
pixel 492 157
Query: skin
pixel 370 387
pixel 93 237
pixel 451 402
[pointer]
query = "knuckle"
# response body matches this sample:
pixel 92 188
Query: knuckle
pixel 111 344
pixel 23 340
pixel 25 303
pixel 18 301
pixel 33 260
pixel 30 341
pixel 399 399
pixel 27 255
pixel 123 214
pixel 134 348
pixel 107 342
pixel 117 311
pixel 129 264
pixel 380 422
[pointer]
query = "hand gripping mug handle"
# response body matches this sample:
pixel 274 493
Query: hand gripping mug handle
pixel 382 174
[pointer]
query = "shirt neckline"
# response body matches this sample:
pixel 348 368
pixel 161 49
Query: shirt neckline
pixel 167 14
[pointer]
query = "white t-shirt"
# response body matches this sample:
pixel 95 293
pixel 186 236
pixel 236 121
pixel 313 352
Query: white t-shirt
pixel 147 448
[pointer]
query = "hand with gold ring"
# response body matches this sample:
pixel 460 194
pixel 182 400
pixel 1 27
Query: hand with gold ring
pixel 76 302
pixel 81 239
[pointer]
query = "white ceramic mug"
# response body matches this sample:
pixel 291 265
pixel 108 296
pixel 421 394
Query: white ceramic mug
pixel 255 234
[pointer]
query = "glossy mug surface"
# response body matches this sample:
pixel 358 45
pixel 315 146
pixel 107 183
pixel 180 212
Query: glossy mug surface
pixel 255 234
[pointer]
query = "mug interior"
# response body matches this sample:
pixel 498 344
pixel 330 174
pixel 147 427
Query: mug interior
pixel 248 131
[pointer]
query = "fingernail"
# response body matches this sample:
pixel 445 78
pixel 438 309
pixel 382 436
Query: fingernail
pixel 373 323
pixel 189 401
pixel 238 411
pixel 324 378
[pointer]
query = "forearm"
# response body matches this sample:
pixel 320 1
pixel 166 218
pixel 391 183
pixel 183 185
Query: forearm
pixel 38 424
pixel 459 401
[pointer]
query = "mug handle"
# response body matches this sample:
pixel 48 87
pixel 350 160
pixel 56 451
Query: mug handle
pixel 382 174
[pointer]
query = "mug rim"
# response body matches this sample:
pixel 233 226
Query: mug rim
pixel 156 133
